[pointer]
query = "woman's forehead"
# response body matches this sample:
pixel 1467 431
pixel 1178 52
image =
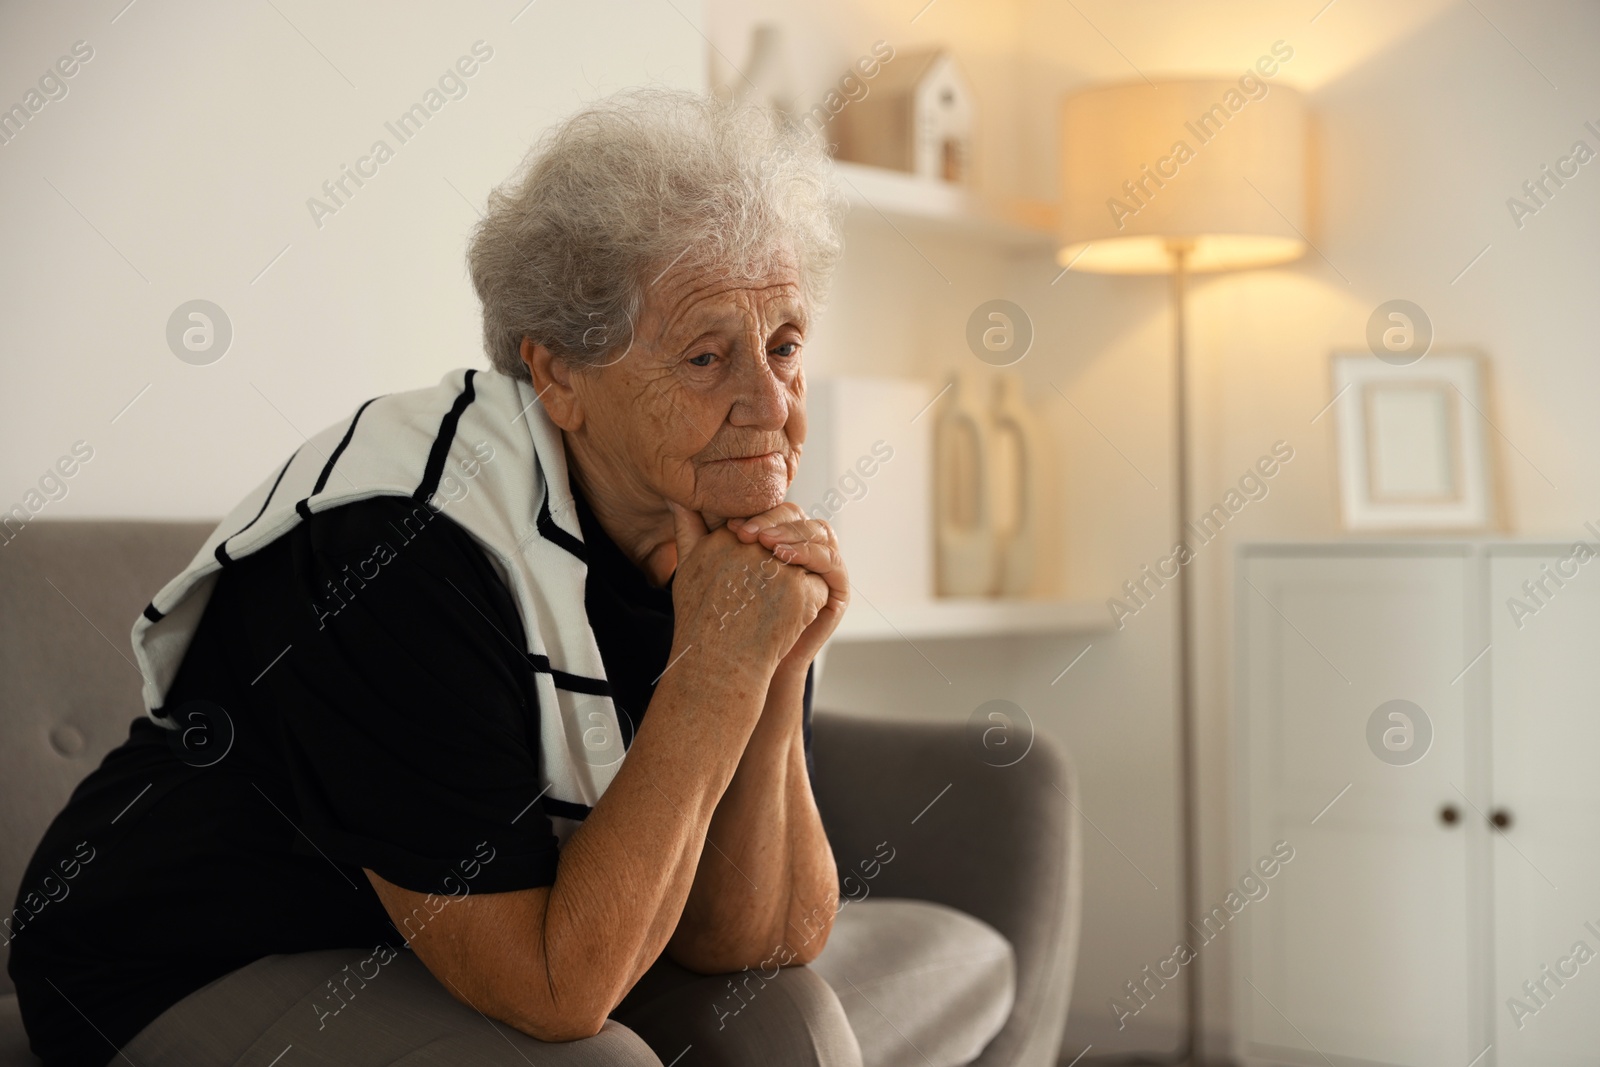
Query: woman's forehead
pixel 728 305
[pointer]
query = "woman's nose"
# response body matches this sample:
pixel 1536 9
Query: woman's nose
pixel 763 398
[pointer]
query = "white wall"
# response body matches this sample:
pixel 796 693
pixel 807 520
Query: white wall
pixel 191 143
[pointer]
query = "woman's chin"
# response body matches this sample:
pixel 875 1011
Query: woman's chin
pixel 741 504
pixel 742 488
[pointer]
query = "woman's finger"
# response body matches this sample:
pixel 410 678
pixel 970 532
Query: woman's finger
pixel 815 556
pixel 801 531
pixel 688 528
pixel 751 528
pixel 822 560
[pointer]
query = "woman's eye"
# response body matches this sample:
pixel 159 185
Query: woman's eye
pixel 703 359
pixel 786 349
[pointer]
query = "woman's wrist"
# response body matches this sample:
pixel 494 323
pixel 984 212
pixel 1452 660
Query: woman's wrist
pixel 789 675
pixel 719 658
pixel 720 671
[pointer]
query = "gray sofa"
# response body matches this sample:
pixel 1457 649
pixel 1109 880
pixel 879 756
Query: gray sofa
pixel 1001 844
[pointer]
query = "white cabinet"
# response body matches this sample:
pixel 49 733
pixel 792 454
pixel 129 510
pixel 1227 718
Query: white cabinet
pixel 1544 733
pixel 1361 949
pixel 1406 918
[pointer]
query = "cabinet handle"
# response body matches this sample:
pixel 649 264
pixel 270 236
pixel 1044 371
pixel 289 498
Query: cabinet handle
pixel 1501 818
pixel 1449 815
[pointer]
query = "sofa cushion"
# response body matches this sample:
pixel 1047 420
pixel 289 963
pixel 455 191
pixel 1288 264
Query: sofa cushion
pixel 923 985
pixel 69 592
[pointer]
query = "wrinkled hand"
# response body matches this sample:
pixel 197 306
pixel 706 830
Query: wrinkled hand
pixel 809 544
pixel 733 597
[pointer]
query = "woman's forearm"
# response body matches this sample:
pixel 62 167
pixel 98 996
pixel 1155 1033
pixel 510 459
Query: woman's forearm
pixel 627 872
pixel 555 960
pixel 766 880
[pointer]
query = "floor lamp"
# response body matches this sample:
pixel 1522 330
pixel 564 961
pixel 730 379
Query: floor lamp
pixel 1181 177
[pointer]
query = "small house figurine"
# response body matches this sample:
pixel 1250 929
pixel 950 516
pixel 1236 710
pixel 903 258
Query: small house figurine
pixel 917 117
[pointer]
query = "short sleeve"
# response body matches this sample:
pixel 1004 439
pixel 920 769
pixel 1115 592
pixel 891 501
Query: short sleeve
pixel 407 711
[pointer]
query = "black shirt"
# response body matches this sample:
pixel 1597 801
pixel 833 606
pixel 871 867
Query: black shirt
pixel 354 696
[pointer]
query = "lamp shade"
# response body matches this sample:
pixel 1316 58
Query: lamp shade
pixel 1218 166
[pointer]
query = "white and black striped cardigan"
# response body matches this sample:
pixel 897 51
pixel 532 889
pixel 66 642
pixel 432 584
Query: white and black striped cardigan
pixel 511 496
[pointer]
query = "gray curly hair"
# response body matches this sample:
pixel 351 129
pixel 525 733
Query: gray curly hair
pixel 630 186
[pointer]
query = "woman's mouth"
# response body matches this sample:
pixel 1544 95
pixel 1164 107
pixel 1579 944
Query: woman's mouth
pixel 752 461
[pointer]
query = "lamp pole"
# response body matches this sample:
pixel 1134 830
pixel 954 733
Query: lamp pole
pixel 1187 771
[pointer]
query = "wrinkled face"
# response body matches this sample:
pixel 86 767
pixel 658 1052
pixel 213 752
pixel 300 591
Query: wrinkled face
pixel 707 407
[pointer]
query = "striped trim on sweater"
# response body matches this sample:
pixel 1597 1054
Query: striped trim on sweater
pixel 479 448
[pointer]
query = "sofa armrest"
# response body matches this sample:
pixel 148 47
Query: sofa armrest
pixel 1000 843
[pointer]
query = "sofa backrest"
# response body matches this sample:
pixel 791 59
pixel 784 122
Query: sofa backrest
pixel 69 594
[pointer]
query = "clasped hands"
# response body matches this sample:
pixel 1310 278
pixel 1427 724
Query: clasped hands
pixel 727 576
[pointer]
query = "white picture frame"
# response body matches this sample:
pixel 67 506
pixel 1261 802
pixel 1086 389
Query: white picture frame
pixel 1412 446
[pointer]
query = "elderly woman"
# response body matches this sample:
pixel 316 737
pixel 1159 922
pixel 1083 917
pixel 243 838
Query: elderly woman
pixel 380 810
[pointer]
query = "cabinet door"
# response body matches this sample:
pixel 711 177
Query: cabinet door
pixel 1360 950
pixel 1545 715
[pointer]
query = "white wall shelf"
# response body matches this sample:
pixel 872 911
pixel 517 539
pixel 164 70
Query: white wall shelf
pixel 926 205
pixel 968 617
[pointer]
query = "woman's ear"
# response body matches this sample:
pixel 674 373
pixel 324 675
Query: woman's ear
pixel 552 383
